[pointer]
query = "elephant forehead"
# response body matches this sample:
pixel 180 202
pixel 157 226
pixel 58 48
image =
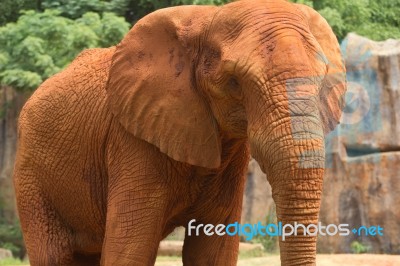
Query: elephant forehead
pixel 255 17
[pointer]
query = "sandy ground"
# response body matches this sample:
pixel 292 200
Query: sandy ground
pixel 322 260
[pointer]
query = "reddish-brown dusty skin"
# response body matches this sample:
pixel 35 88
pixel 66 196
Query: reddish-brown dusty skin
pixel 131 141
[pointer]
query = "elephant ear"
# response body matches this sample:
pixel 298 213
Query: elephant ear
pixel 334 83
pixel 151 88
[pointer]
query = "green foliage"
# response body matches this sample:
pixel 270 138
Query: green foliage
pixel 76 8
pixel 270 243
pixel 11 262
pixel 131 9
pixel 108 29
pixel 335 20
pixel 304 2
pixel 10 9
pixel 156 4
pixel 40 44
pixel 3 112
pixel 199 2
pixel 377 20
pixel 138 9
pixel 374 19
pixel 11 238
pixel 358 247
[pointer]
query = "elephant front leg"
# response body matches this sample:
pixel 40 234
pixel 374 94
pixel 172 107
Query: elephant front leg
pixel 219 207
pixel 135 219
pixel 206 241
pixel 201 249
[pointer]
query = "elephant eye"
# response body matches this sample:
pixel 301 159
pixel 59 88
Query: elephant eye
pixel 234 88
pixel 233 83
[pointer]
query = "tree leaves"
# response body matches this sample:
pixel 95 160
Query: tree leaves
pixel 40 44
pixel 76 8
pixel 377 20
pixel 19 78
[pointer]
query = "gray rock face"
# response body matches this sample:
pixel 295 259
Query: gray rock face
pixel 362 176
pixel 362 179
pixel 5 254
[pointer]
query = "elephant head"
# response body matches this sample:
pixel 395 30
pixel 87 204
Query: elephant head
pixel 266 71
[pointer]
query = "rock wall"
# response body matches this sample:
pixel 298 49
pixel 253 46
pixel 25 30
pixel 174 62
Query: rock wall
pixel 5 254
pixel 362 177
pixel 362 181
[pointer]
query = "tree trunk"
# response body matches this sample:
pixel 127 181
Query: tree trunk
pixel 11 103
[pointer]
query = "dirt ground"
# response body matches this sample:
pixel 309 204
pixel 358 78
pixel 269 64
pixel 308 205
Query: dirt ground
pixel 322 260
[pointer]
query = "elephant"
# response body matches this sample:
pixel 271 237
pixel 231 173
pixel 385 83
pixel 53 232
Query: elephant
pixel 131 141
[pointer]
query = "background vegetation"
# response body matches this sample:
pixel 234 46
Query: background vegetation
pixel 39 38
pixel 37 43
pixel 11 238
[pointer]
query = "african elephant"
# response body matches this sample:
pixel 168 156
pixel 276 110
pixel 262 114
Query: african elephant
pixel 131 141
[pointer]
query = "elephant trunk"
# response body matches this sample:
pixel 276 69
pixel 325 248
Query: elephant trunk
pixel 297 203
pixel 289 146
